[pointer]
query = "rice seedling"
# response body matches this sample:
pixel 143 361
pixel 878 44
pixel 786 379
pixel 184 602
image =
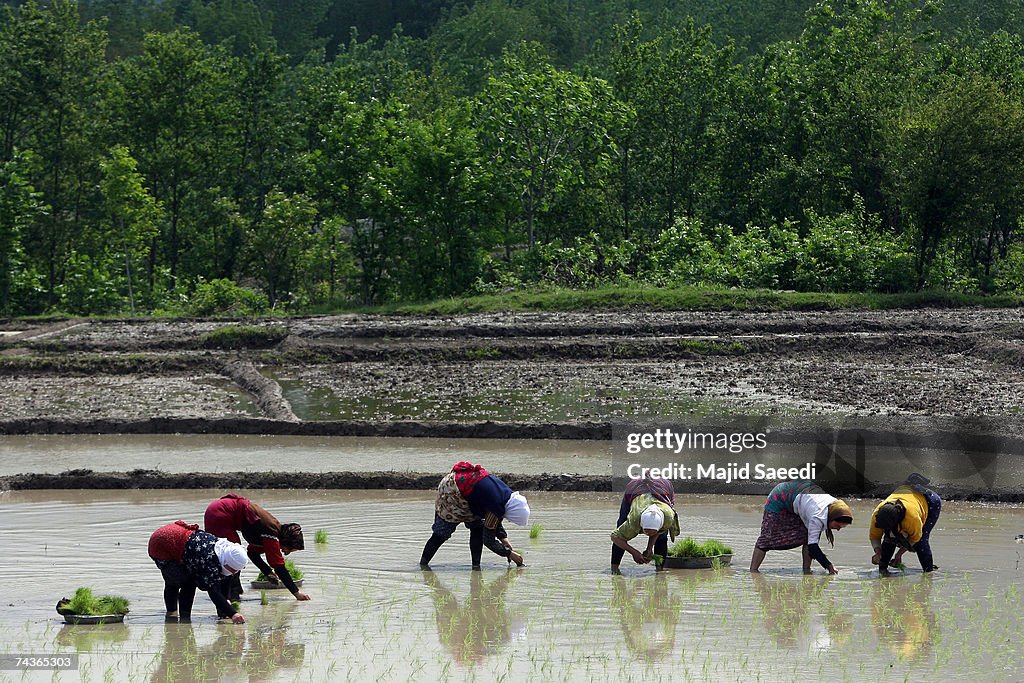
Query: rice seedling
pixel 293 571
pixel 321 537
pixel 688 547
pixel 535 530
pixel 85 603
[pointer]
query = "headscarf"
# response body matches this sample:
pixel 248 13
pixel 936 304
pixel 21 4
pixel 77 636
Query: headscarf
pixel 837 511
pixel 652 518
pixel 660 489
pixel 517 510
pixel 290 536
pixel 231 556
pixel 467 475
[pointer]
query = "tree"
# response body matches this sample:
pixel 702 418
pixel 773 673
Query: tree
pixel 135 216
pixel 238 23
pixel 678 86
pixel 277 246
pixel 19 205
pixel 958 154
pixel 51 72
pixel 177 113
pixel 438 189
pixel 541 126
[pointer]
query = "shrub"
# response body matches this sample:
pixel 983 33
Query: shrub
pixel 764 258
pixel 1009 271
pixel 224 297
pixel 848 252
pixel 689 253
pixel 89 288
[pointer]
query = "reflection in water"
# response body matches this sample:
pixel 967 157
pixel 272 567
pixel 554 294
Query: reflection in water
pixel 184 660
pixel 268 648
pixel 83 638
pixel 480 625
pixel 649 613
pixel 902 616
pixel 254 652
pixel 790 620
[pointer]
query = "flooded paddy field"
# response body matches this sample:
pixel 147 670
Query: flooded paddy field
pixel 375 615
pixel 174 453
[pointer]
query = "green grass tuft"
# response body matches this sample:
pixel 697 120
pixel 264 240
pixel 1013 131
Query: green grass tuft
pixel 243 337
pixel 535 530
pixel 321 537
pixel 646 297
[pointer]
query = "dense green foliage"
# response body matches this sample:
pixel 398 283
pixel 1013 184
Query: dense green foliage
pixel 229 157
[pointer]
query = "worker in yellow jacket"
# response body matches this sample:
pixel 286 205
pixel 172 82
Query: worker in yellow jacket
pixel 904 521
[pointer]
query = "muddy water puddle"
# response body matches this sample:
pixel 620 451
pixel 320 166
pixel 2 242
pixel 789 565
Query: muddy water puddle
pixel 375 615
pixel 314 402
pixel 256 453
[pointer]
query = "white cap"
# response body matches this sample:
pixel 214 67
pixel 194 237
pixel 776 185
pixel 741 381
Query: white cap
pixel 652 518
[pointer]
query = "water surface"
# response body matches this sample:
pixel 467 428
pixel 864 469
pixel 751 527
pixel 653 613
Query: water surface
pixel 375 615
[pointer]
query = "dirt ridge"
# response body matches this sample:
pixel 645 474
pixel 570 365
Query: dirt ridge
pixel 155 479
pixel 171 425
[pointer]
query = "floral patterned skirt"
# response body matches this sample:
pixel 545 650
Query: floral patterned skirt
pixel 781 531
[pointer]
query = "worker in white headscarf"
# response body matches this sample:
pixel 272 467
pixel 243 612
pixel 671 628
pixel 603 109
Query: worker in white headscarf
pixel 471 495
pixel 188 559
pixel 653 518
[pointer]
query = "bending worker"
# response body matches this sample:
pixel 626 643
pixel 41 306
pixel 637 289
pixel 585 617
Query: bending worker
pixel 795 514
pixel 904 521
pixel 188 559
pixel 471 495
pixel 227 516
pixel 647 508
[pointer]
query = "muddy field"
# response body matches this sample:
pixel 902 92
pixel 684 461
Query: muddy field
pixel 572 370
pixel 564 376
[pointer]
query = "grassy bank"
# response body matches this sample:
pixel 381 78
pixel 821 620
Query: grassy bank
pixel 611 298
pixel 605 298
